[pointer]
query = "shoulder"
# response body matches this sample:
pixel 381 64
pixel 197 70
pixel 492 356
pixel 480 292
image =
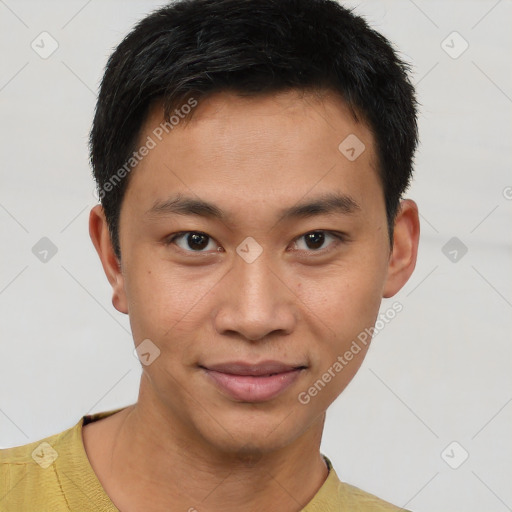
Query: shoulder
pixel 28 472
pixel 51 474
pixel 357 499
pixel 335 495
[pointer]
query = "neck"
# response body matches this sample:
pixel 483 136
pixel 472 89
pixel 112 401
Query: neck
pixel 152 461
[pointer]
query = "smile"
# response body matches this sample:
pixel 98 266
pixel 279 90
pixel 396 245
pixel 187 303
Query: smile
pixel 253 383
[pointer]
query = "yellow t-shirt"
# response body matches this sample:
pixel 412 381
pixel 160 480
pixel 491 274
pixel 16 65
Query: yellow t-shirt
pixel 54 475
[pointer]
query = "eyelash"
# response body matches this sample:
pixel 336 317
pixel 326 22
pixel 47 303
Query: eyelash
pixel 340 238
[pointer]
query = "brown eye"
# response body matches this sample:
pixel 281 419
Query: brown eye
pixel 193 241
pixel 316 241
pixel 197 241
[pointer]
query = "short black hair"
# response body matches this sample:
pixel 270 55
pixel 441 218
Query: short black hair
pixel 193 48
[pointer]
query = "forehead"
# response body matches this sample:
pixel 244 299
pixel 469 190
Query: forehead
pixel 304 106
pixel 271 149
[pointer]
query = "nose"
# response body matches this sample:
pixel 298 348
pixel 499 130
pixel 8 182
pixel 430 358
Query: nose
pixel 255 301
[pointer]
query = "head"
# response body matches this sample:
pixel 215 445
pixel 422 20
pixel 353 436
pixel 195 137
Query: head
pixel 251 158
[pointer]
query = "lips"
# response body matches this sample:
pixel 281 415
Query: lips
pixel 255 370
pixel 253 382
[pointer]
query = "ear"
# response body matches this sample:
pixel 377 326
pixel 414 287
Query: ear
pixel 402 259
pixel 100 236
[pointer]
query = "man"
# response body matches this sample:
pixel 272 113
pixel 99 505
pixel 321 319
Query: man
pixel 251 157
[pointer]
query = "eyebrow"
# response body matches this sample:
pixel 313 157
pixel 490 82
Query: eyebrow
pixel 325 204
pixel 182 205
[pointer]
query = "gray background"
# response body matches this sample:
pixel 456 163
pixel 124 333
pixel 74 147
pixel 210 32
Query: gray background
pixel 440 372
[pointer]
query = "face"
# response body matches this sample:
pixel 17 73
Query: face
pixel 251 245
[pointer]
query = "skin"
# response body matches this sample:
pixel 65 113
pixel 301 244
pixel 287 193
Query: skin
pixel 185 443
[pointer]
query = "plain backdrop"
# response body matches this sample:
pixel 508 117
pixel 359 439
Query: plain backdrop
pixel 435 387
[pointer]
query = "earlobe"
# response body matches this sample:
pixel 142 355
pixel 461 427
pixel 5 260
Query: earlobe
pixel 100 236
pixel 402 260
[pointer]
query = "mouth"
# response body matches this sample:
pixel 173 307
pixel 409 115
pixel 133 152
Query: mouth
pixel 253 382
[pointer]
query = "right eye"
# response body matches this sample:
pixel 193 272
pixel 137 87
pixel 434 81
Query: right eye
pixel 192 241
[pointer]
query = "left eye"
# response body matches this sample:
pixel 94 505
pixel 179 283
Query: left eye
pixel 194 241
pixel 314 240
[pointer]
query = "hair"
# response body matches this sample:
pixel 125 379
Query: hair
pixel 194 48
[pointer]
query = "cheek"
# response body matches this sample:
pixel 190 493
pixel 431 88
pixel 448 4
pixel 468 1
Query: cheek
pixel 347 296
pixel 344 305
pixel 166 302
pixel 156 299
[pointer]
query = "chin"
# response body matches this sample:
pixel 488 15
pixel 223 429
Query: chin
pixel 251 435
